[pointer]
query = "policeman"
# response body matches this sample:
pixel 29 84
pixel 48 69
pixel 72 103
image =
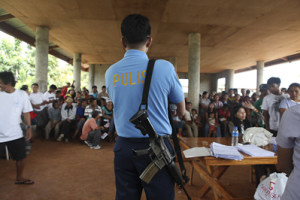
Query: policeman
pixel 125 82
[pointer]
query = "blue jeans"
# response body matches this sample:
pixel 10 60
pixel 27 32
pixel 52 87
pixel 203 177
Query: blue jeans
pixel 206 131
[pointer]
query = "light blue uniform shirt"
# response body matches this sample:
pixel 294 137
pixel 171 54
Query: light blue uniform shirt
pixel 124 82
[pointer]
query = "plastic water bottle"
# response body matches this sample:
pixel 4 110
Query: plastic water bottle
pixel 235 137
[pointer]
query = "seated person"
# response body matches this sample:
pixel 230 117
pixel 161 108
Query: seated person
pixel 90 108
pixel 91 132
pixel 190 126
pixel 80 118
pixel 178 123
pixel 68 114
pixel 196 118
pixel 107 115
pixel 54 120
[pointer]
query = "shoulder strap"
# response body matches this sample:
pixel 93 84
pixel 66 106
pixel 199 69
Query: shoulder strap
pixel 147 84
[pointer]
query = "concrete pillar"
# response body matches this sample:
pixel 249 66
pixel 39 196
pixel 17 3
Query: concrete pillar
pixel 173 60
pixel 214 82
pixel 194 69
pixel 91 76
pixel 260 74
pixel 77 70
pixel 41 57
pixel 100 75
pixel 229 79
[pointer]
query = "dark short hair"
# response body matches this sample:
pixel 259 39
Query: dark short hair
pixel 248 91
pixel 263 87
pixel 273 80
pixel 57 92
pixel 188 102
pixel 135 29
pixel 294 85
pixel 94 86
pixel 82 100
pixel 8 78
pixel 35 84
pixel 103 86
pixel 54 102
pixel 53 87
pixel 95 113
pixel 24 87
pixel 204 93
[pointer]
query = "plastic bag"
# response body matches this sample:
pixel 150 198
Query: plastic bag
pixel 257 136
pixel 272 187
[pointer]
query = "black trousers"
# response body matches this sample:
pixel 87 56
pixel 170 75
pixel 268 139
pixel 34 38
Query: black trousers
pixel 66 128
pixel 129 167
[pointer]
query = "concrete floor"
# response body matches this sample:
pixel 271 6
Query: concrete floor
pixel 74 171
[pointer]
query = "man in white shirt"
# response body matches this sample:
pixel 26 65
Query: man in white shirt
pixel 271 104
pixel 38 102
pixel 13 104
pixel 50 96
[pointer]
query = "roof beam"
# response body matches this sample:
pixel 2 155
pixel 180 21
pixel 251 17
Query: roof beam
pixel 6 17
pixel 10 30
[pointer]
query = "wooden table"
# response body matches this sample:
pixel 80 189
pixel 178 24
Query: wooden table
pixel 211 169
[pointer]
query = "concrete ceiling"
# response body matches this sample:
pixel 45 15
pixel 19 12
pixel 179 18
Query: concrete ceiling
pixel 234 33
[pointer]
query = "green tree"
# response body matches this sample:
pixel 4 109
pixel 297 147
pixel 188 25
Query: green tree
pixel 19 58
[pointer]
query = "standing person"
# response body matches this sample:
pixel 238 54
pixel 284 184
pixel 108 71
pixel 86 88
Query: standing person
pixel 243 92
pixel 13 104
pixel 263 88
pixel 289 151
pixel 126 95
pixel 38 102
pixel 103 94
pixel 271 104
pixel 294 99
pixel 218 104
pixel 50 96
pixel 94 92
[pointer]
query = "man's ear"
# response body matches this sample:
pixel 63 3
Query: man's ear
pixel 123 43
pixel 149 42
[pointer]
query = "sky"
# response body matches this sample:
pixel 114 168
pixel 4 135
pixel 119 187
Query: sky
pixel 288 72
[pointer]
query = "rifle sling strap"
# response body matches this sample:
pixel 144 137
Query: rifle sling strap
pixel 174 132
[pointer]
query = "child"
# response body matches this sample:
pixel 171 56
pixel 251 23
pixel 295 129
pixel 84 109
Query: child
pixel 196 117
pixel 212 120
pixel 212 125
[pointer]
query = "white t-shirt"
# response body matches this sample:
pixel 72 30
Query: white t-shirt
pixel 37 98
pixel 48 97
pixel 11 108
pixel 187 116
pixel 271 103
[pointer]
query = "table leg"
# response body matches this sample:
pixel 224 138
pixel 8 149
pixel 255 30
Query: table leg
pixel 211 182
pixel 217 174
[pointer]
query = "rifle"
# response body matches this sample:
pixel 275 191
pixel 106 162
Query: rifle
pixel 158 151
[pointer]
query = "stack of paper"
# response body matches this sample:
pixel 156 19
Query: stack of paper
pixel 255 151
pixel 226 152
pixel 197 152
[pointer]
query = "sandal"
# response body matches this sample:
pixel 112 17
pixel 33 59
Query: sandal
pixel 25 182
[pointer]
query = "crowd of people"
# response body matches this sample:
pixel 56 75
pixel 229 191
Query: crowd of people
pixel 83 115
pixel 219 113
